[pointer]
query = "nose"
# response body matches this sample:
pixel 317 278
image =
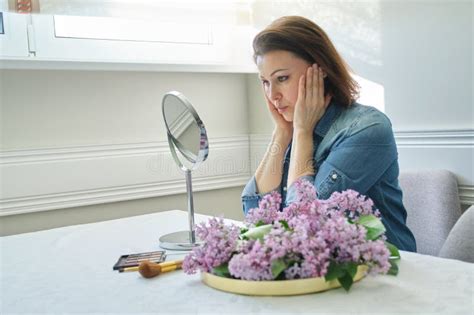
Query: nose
pixel 273 93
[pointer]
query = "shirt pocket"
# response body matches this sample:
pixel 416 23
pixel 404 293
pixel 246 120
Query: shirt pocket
pixel 328 185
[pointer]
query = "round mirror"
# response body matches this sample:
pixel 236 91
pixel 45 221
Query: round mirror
pixel 185 130
pixel 189 147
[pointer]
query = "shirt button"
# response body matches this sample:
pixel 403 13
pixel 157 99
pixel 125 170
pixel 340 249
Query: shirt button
pixel 334 176
pixel 284 188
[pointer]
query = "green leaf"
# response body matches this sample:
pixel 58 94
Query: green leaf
pixel 394 253
pixel 373 234
pixel 346 281
pixel 222 270
pixel 373 225
pixel 393 268
pixel 351 269
pixel 281 276
pixel 257 233
pixel 243 230
pixel 344 273
pixel 334 271
pixel 369 220
pixel 285 225
pixel 277 267
pixel 260 223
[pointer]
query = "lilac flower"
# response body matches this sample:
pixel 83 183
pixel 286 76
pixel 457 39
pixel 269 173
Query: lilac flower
pixel 302 241
pixel 254 265
pixel 351 202
pixel 219 240
pixel 268 209
pixel 376 255
pixel 305 192
pixel 256 261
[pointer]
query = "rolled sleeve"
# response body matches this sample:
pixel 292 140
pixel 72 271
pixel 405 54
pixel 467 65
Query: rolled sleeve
pixel 250 195
pixel 291 195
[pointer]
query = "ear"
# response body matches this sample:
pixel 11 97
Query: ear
pixel 327 99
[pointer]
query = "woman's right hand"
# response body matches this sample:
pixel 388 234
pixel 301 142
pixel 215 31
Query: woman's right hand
pixel 283 128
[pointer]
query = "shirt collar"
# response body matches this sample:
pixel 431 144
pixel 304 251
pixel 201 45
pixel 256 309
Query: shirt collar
pixel 332 113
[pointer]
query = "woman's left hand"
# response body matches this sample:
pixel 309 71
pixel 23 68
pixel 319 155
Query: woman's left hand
pixel 311 103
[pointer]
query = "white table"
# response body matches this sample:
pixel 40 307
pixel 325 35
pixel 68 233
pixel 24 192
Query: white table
pixel 69 270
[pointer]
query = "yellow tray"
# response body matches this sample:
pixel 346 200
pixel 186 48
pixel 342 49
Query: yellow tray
pixel 279 287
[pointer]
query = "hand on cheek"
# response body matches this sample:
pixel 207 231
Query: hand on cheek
pixel 311 103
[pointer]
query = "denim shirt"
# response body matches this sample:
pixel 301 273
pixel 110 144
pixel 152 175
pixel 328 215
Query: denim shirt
pixel 354 148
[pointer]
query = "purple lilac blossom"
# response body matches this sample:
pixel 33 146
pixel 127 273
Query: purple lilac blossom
pixel 376 255
pixel 267 211
pixel 219 242
pixel 316 233
pixel 352 203
pixel 254 265
pixel 305 193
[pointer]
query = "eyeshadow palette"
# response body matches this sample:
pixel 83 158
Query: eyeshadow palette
pixel 133 260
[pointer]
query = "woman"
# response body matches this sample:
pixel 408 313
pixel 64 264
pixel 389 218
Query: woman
pixel 321 134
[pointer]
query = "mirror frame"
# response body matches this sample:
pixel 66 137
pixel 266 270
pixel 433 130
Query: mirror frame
pixel 175 144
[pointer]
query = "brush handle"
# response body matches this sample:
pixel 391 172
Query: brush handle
pixel 149 269
pixel 178 263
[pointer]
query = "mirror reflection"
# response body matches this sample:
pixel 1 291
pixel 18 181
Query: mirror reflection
pixel 182 126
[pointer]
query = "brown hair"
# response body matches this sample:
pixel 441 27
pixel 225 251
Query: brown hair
pixel 308 41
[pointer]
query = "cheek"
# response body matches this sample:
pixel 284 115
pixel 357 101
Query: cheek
pixel 292 93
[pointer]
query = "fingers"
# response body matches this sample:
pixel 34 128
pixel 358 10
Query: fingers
pixel 320 85
pixel 324 99
pixel 301 88
pixel 270 105
pixel 277 117
pixel 309 85
pixel 316 83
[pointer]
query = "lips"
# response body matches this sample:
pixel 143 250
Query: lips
pixel 282 109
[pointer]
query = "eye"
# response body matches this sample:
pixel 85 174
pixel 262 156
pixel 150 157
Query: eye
pixel 264 82
pixel 282 78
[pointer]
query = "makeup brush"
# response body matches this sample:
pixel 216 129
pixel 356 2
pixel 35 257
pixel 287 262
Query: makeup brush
pixel 150 269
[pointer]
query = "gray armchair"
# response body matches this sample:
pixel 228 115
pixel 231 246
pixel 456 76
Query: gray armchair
pixel 460 242
pixel 432 202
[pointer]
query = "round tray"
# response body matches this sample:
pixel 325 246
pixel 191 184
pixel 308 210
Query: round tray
pixel 279 287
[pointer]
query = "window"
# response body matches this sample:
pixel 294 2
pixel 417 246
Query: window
pixel 120 29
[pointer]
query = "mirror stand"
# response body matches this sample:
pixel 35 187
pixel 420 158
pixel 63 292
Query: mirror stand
pixel 189 189
pixel 183 240
pixel 187 138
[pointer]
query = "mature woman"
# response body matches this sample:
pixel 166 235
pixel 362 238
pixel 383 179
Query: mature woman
pixel 321 134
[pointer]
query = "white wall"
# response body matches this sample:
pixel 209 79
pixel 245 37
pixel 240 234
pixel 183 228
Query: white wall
pixel 43 109
pixel 212 202
pixel 85 139
pixel 427 65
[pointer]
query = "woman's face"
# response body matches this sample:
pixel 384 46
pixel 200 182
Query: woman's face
pixel 280 72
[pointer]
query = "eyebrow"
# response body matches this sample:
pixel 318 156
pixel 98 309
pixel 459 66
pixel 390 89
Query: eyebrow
pixel 274 72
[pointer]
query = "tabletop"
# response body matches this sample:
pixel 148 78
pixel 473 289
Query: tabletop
pixel 69 270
